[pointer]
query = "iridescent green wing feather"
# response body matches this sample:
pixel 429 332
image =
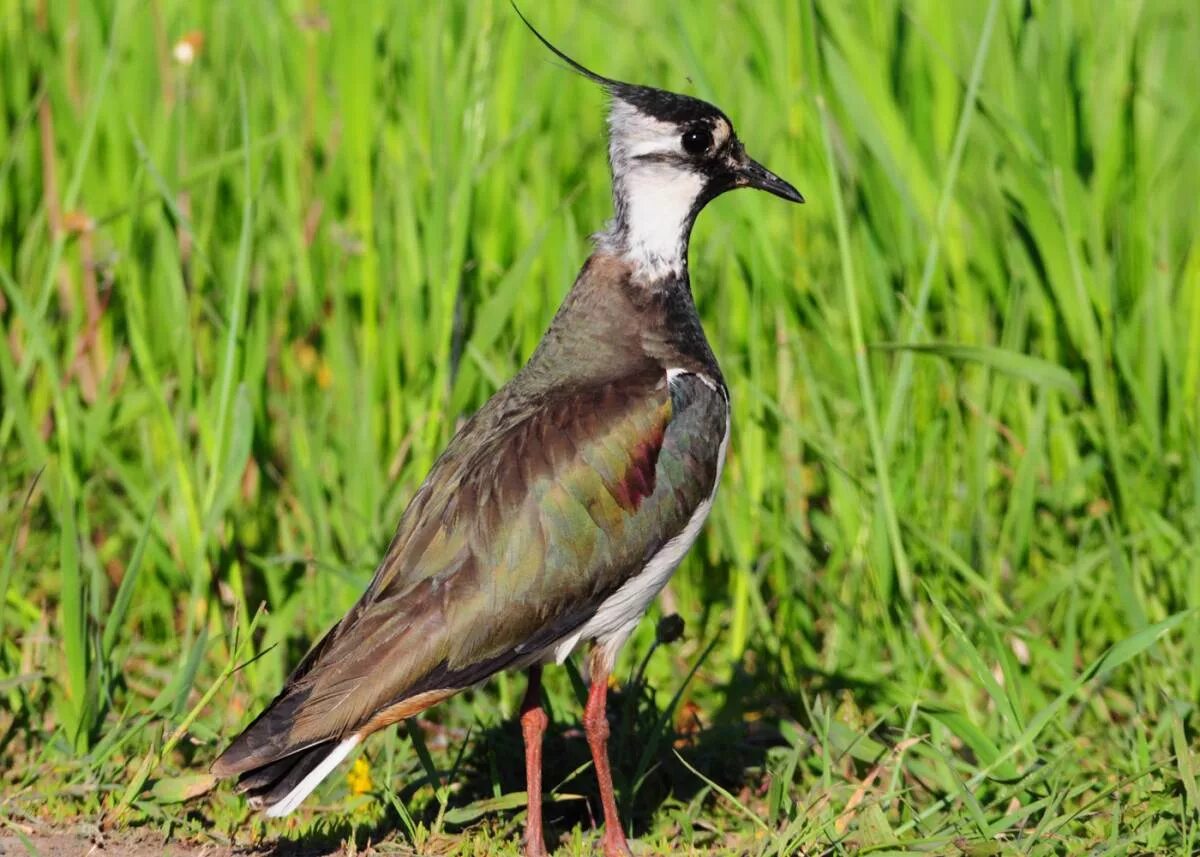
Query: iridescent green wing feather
pixel 535 514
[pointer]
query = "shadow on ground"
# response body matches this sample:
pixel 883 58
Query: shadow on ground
pixel 648 748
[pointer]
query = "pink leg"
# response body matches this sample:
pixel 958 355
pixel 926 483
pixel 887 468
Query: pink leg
pixel 595 724
pixel 533 726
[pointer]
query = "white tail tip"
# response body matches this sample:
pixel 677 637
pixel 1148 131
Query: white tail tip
pixel 304 788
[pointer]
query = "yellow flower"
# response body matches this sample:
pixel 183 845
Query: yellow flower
pixel 359 777
pixel 324 376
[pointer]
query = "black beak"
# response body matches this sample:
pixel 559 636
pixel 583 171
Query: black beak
pixel 750 173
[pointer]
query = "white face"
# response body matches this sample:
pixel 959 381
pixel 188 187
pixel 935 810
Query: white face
pixel 634 134
pixel 658 183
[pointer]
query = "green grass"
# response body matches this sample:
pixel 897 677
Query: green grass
pixel 947 598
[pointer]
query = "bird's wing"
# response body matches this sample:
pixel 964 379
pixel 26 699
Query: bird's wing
pixel 530 519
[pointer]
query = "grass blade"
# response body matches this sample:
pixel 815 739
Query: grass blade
pixel 1035 370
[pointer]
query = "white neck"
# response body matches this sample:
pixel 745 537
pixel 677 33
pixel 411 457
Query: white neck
pixel 653 198
pixel 654 210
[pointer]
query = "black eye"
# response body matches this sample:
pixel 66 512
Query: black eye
pixel 696 141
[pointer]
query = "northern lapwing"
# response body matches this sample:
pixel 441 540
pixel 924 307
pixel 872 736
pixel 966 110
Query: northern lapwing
pixel 561 508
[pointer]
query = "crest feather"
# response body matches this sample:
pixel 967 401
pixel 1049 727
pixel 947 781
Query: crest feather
pixel 657 103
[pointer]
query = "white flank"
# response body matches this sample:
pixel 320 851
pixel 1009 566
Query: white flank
pixel 297 795
pixel 620 612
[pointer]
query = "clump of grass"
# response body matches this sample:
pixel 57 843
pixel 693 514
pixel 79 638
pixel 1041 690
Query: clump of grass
pixel 256 262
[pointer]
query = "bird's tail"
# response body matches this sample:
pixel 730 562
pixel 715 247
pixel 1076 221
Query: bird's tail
pixel 280 786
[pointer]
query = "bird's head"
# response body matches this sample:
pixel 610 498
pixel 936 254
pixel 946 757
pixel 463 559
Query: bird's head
pixel 670 155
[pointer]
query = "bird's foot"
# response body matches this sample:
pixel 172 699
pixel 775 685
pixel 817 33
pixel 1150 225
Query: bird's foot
pixel 535 846
pixel 614 844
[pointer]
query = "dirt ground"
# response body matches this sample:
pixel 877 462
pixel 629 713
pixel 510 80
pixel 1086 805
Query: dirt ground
pixel 138 843
pixel 61 843
pixel 67 844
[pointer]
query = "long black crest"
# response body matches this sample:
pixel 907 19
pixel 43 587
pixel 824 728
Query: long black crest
pixel 607 83
pixel 658 103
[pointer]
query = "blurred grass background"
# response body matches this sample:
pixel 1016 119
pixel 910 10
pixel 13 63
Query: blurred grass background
pixel 257 260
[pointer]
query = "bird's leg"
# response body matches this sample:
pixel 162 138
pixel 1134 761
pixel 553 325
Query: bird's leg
pixel 533 726
pixel 595 724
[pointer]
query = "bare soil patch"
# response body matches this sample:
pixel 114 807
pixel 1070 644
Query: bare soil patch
pixel 63 843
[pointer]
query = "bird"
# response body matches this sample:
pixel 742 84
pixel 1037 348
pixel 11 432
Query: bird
pixel 561 507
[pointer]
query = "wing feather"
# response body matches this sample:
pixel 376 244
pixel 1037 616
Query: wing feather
pixel 533 514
